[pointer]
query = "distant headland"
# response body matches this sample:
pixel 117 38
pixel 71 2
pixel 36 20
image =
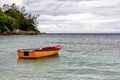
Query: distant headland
pixel 15 21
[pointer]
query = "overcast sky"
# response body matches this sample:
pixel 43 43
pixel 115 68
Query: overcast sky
pixel 74 16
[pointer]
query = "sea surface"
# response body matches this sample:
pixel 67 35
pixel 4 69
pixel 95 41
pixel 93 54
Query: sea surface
pixel 82 57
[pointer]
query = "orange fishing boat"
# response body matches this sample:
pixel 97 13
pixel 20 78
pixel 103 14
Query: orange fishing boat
pixel 38 52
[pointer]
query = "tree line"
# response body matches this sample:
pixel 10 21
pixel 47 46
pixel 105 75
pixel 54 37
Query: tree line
pixel 15 17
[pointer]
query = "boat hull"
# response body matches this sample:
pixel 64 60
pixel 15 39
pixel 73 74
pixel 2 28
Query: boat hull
pixel 36 54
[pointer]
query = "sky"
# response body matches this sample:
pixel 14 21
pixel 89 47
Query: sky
pixel 74 16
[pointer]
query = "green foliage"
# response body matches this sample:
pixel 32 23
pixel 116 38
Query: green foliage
pixel 6 22
pixel 13 17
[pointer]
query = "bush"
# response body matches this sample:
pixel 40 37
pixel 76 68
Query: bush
pixel 13 17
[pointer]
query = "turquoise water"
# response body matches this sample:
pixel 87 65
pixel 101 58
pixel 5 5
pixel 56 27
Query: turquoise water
pixel 83 57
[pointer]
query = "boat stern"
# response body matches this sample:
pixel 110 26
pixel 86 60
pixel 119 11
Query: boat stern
pixel 25 53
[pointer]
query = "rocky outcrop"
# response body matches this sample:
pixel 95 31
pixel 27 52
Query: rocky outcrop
pixel 20 32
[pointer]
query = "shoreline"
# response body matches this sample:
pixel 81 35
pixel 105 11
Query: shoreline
pixel 21 32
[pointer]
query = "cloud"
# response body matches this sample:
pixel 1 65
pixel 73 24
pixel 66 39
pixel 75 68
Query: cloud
pixel 74 15
pixel 83 22
pixel 85 16
pixel 64 7
pixel 76 18
pixel 78 28
pixel 18 2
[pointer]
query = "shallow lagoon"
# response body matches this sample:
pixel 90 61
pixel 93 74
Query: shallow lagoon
pixel 83 57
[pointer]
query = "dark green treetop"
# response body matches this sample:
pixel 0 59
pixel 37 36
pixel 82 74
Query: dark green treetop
pixel 14 17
